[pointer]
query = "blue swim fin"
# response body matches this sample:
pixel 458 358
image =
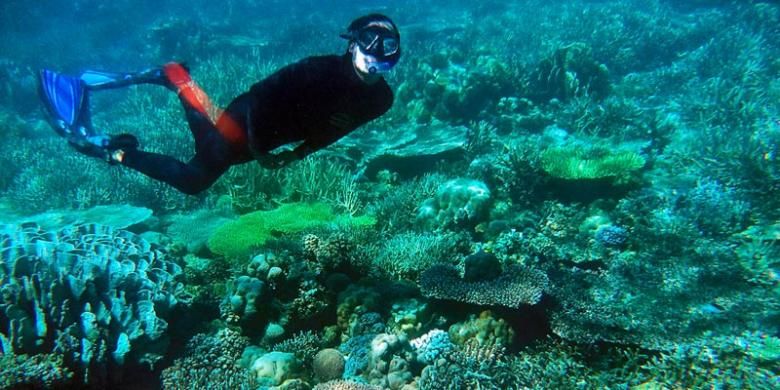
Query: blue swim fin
pixel 66 100
pixel 64 97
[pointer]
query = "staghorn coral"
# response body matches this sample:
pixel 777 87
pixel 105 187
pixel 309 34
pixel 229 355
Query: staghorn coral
pixel 717 362
pixel 303 344
pixel 406 255
pixel 468 367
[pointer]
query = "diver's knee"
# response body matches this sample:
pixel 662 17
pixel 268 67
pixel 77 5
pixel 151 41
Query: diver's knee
pixel 195 186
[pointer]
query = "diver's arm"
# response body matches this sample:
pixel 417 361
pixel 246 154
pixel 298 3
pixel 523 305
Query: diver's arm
pixel 285 157
pixel 276 160
pixel 338 126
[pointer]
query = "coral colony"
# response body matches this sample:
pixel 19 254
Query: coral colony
pixel 586 199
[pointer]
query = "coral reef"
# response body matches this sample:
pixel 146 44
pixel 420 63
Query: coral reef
pixel 91 293
pixel 345 385
pixel 328 364
pixel 236 239
pixel 570 72
pixel 568 194
pixel 517 285
pixel 37 371
pixel 582 163
pixel 458 202
pixel 211 362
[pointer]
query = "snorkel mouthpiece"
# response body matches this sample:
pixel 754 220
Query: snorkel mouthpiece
pixel 370 64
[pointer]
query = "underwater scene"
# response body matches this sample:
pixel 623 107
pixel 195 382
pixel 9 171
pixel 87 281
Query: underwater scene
pixel 356 195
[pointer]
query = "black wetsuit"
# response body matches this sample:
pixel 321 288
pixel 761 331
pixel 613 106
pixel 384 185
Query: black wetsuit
pixel 315 101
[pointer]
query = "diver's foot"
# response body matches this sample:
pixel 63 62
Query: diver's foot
pixel 117 145
pixel 122 141
pixel 107 148
pixel 170 75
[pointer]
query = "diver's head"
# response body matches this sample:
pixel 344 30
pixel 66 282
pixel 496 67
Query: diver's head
pixel 375 45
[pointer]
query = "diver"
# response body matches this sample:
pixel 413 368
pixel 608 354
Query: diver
pixel 313 102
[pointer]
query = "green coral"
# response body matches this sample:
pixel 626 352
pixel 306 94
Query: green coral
pixel 236 239
pixel 580 162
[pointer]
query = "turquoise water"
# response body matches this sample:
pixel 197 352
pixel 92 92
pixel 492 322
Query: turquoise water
pixel 573 195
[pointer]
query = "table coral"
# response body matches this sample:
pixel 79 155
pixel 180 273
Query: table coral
pixel 516 286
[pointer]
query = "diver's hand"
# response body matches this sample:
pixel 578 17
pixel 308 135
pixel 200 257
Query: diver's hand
pixel 276 161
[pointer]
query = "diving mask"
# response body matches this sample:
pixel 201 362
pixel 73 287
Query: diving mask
pixel 377 44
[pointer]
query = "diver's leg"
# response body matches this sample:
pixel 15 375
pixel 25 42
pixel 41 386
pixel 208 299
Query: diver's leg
pixel 212 158
pixel 191 178
pixel 201 114
pixel 207 122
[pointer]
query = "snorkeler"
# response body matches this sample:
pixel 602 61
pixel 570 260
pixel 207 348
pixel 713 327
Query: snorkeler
pixel 313 102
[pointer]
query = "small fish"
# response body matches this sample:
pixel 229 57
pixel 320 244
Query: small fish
pixel 711 308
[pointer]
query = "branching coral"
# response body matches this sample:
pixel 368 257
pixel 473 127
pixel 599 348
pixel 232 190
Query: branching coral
pixel 406 255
